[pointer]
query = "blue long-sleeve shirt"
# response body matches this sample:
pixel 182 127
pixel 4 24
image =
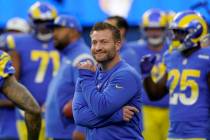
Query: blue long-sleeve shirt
pixel 61 90
pixel 104 94
pixel 86 117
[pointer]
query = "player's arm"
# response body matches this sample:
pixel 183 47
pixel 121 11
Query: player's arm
pixel 23 99
pixel 6 103
pixel 155 91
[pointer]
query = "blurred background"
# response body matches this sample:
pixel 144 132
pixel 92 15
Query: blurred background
pixel 90 11
pixel 34 49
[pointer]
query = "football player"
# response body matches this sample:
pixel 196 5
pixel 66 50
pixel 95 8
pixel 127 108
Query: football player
pixel 35 59
pixel 187 79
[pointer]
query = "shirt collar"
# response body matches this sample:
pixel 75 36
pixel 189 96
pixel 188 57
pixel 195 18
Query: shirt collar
pixel 112 69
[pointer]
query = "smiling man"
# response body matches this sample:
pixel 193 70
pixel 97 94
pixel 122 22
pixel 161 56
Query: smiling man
pixel 107 97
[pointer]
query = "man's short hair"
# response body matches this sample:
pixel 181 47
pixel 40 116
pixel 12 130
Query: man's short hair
pixel 120 22
pixel 106 26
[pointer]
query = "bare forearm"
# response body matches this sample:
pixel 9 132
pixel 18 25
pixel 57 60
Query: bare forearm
pixel 24 100
pixel 154 90
pixel 18 94
pixel 33 123
pixel 6 103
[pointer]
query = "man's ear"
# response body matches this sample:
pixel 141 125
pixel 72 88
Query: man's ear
pixel 118 45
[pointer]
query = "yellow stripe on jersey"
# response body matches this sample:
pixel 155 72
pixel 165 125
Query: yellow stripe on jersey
pixel 10 42
pixel 158 72
pixel 4 58
pixel 174 45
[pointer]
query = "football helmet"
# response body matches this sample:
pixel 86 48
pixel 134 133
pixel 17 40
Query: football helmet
pixel 154 23
pixel 169 16
pixel 41 16
pixel 17 24
pixel 188 27
pixel 41 11
pixel 205 41
pixel 154 18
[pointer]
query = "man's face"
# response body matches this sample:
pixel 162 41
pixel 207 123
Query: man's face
pixel 61 37
pixel 103 46
pixel 155 36
pixel 42 26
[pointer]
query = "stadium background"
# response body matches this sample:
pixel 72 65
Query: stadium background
pixel 90 11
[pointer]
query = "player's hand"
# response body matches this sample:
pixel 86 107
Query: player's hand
pixel 128 112
pixel 87 65
pixel 67 109
pixel 146 64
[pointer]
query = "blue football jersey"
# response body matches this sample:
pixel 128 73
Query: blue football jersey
pixel 39 62
pixel 189 92
pixel 7 121
pixel 157 72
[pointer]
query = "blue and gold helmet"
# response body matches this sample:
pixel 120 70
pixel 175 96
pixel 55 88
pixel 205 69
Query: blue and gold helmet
pixel 189 24
pixel 41 16
pixel 170 16
pixel 42 11
pixel 154 18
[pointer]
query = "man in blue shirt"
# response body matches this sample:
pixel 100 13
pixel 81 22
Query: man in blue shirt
pixel 59 119
pixel 102 93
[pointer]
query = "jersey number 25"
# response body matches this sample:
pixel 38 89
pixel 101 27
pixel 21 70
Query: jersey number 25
pixel 185 79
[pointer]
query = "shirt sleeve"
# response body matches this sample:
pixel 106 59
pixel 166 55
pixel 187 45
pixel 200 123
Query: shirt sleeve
pixel 85 117
pixel 121 88
pixel 80 58
pixel 6 67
